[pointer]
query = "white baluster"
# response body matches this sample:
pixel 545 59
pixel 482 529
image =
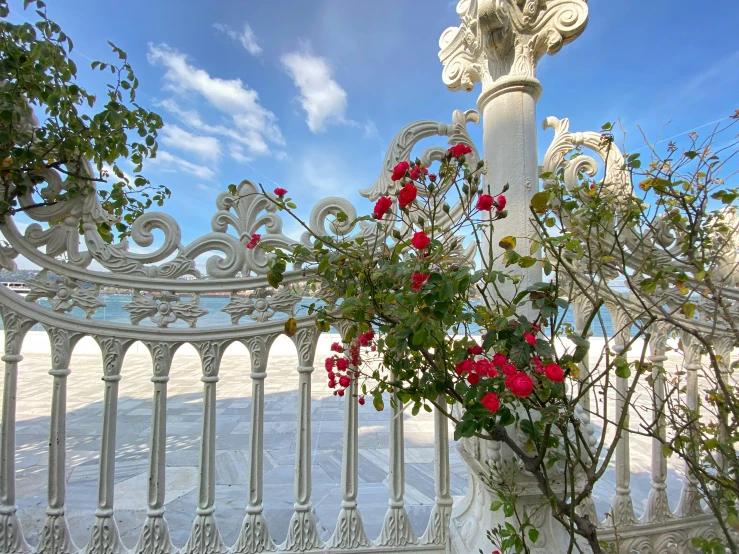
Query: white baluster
pixel 582 309
pixel 55 537
pixel 302 533
pixel 396 529
pixel 437 531
pixel 11 532
pixel 154 537
pixel 349 532
pixel 205 537
pixel 689 504
pixel 104 535
pixel 622 507
pixel 658 506
pixel 254 536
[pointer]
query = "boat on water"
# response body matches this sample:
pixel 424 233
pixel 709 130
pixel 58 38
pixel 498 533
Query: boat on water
pixel 20 288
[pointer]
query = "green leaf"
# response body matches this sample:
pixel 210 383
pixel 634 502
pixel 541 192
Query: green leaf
pixel 533 535
pixel 540 201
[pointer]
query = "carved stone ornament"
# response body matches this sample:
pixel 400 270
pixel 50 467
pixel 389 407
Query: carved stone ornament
pixel 261 305
pixel 164 308
pixel 64 294
pixel 506 38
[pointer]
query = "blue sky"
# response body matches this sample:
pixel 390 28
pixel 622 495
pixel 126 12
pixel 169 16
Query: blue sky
pixel 308 93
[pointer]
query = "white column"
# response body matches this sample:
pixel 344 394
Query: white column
pixel 499 44
pixel 658 507
pixel 104 535
pixel 396 529
pixel 302 533
pixel 205 537
pixel 154 537
pixel 55 537
pixel 690 499
pixel 11 532
pixel 254 536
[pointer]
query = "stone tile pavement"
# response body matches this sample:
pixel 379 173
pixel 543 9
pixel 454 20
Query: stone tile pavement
pixel 184 414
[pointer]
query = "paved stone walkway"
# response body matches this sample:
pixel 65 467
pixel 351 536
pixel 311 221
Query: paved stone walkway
pixel 184 412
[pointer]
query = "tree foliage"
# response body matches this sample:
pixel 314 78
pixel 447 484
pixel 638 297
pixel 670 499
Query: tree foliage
pixel 50 123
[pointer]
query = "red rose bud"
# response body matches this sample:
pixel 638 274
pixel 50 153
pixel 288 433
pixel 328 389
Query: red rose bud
pixel 491 402
pixel 329 364
pixel 254 241
pixel 531 339
pixel 382 206
pixel 500 203
pixel 342 364
pixel 400 170
pixel 407 195
pixel 340 392
pixel 459 150
pixel 432 178
pixel 485 203
pixel 361 400
pixel 336 347
pixel 475 350
pixel 280 192
pixel 420 240
pixel 509 369
pixel 345 381
pixel 473 378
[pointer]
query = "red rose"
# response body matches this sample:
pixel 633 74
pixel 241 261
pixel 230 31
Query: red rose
pixel 473 378
pixel 399 171
pixel 475 350
pixel 280 192
pixel 509 369
pixel 331 375
pixel 464 367
pixel 432 178
pixel 484 368
pixel 491 402
pixel 342 364
pixel 459 150
pixel 420 240
pixel 520 384
pixel 499 359
pixel 407 195
pixel 383 205
pixel 485 203
pixel 254 241
pixel 345 381
pixel 331 384
pixel 340 392
pixel 500 203
pixel 554 373
pixel 531 339
pixel 336 347
pixel 329 364
pixel 361 400
pixel 418 279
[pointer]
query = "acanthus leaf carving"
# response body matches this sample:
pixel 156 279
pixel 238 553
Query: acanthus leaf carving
pixel 261 305
pixel 164 308
pixel 64 294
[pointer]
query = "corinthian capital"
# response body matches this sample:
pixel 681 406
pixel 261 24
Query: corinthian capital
pixel 506 38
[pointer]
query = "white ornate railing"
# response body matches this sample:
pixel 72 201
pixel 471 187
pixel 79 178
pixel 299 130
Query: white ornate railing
pixel 499 44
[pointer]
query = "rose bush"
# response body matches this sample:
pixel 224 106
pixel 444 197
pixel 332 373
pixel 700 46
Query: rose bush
pixel 417 298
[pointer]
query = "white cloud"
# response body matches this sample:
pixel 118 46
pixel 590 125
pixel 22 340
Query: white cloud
pixel 206 188
pixel 206 148
pixel 255 125
pixel 322 98
pixel 246 37
pixel 170 163
pixel 237 153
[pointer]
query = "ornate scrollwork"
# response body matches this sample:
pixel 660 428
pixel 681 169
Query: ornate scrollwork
pixel 164 308
pixel 506 38
pixel 260 305
pixel 64 294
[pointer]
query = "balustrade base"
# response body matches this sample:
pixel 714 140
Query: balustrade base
pixel 105 538
pixel 11 535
